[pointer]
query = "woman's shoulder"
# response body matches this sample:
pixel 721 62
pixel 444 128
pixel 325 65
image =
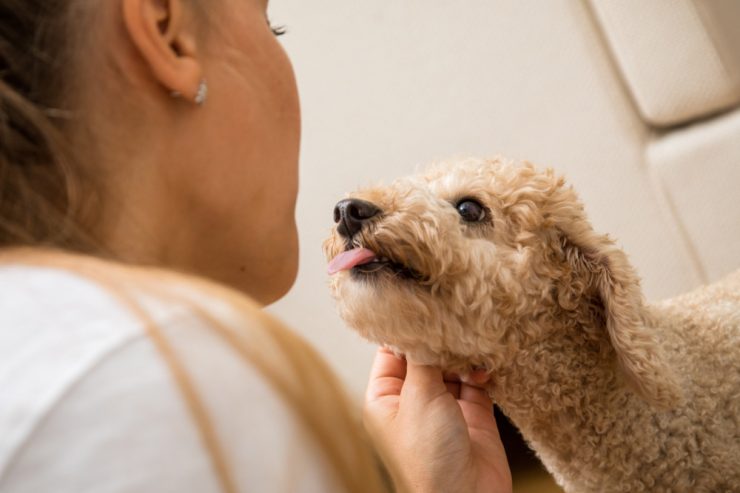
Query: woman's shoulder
pixel 57 324
pixel 92 367
pixel 97 306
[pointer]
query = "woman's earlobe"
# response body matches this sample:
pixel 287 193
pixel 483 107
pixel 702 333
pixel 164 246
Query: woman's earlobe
pixel 166 45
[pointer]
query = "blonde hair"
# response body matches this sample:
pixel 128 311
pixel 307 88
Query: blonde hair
pixel 292 367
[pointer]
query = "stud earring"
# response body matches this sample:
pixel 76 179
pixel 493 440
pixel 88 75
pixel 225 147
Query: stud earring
pixel 202 94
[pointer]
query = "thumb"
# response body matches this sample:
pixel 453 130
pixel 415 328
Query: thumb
pixel 423 382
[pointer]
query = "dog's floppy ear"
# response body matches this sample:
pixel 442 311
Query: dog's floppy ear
pixel 595 266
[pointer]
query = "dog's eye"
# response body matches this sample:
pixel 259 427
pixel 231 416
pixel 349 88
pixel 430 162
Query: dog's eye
pixel 471 211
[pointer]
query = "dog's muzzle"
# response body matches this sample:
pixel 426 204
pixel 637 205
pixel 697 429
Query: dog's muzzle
pixel 352 214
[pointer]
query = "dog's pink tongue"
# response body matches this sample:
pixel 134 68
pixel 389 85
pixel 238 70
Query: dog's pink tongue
pixel 350 258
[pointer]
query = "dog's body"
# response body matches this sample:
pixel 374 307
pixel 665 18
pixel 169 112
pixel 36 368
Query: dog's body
pixel 595 434
pixel 492 263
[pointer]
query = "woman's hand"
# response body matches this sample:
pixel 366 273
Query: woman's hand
pixel 441 435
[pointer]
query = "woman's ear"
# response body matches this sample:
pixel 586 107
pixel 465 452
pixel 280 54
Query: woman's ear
pixel 165 42
pixel 596 266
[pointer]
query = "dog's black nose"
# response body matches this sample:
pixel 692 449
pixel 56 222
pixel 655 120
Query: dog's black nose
pixel 351 214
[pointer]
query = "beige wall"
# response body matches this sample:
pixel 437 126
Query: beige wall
pixel 389 84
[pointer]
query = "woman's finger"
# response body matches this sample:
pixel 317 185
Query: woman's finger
pixel 477 409
pixel 386 376
pixel 423 382
pixel 478 377
pixel 475 395
pixel 387 364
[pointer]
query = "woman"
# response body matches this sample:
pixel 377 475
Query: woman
pixel 139 138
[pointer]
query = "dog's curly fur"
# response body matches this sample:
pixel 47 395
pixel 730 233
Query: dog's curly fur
pixel 614 394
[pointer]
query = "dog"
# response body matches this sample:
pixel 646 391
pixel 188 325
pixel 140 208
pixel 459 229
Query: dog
pixel 494 264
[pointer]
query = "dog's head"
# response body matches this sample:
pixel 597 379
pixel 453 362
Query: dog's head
pixel 474 261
